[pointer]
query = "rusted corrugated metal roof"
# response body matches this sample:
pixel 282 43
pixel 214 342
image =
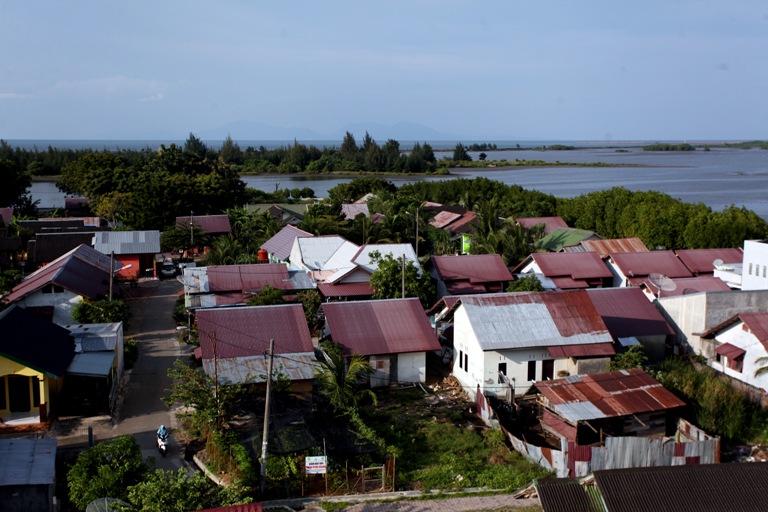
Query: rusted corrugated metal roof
pixel 475 268
pixel 380 327
pixel 689 285
pixel 757 324
pixel 614 245
pixel 685 488
pixel 606 395
pixel 701 261
pixel 350 211
pixel 534 319
pixel 636 265
pixel 444 218
pixel 46 247
pixel 246 331
pixel 345 290
pixel 83 271
pixel 628 313
pixel 730 351
pixel 253 369
pixel 577 265
pixel 280 245
pixel 207 223
pixel 586 350
pixel 550 223
pixel 248 278
pixel 568 283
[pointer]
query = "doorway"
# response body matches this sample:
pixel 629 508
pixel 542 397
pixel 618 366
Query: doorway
pixel 18 393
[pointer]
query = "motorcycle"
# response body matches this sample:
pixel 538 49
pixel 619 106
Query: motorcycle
pixel 162 443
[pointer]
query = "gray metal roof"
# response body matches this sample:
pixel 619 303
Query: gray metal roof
pixel 253 369
pixel 27 461
pixel 95 337
pixel 127 242
pixel 92 364
pixel 511 321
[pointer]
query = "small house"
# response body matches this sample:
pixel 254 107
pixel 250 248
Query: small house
pixel 567 270
pixel 470 274
pixel 28 475
pixel 395 335
pixel 279 246
pixel 135 251
pixel 633 268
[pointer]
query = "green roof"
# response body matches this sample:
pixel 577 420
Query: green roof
pixel 564 237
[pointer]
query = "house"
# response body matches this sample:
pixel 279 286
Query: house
pixel 678 488
pixel 754 274
pixel 46 247
pixel 584 423
pixel 395 335
pixel 135 251
pixel 322 256
pixel 503 343
pixel 739 343
pixel 567 270
pixel 219 285
pixel 351 211
pixel 234 341
pixel 213 225
pixel 456 224
pixel 605 248
pixel 633 268
pixel 662 286
pixel 633 320
pixel 285 213
pixel 703 262
pixel 34 357
pixel 65 225
pixel 561 238
pixel 53 290
pixel 28 475
pixel 469 274
pixel 94 374
pixel 279 246
pixel 693 314
pixel 548 224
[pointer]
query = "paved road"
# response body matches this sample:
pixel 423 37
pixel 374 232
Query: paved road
pixel 141 410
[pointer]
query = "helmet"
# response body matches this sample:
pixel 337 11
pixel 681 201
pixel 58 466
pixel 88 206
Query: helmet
pixel 162 427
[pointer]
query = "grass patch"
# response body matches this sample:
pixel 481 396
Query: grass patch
pixel 445 447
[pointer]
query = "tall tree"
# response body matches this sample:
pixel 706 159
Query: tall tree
pixel 387 279
pixel 15 184
pixel 460 153
pixel 230 152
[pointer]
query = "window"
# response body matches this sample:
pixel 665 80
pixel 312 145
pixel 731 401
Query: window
pixel 736 364
pixel 548 369
pixel 466 362
pixel 531 370
pixel 461 359
pixel 757 270
pixel 750 269
pixel 502 372
pixel 764 270
pixel 52 288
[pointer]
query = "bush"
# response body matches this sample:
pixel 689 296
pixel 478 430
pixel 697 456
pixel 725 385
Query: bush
pixel 130 352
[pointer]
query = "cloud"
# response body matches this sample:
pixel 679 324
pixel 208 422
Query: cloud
pixel 113 87
pixel 15 96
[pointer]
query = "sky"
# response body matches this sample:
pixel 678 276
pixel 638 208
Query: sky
pixel 432 69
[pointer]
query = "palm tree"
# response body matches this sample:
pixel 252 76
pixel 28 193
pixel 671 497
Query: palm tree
pixel 763 366
pixel 338 377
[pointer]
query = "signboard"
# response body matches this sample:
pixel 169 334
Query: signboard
pixel 315 465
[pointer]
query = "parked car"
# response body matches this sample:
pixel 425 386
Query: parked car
pixel 167 269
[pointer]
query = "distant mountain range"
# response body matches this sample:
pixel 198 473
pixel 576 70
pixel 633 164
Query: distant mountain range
pixel 255 130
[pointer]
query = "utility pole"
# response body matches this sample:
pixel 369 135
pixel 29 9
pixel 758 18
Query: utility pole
pixel 191 233
pixel 403 275
pixel 111 273
pixel 265 432
pixel 417 231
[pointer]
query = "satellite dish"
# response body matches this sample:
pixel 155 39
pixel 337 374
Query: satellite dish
pixel 662 282
pixel 717 262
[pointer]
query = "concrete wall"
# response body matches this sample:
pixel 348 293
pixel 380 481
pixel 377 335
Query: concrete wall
pixel 755 273
pixel 689 314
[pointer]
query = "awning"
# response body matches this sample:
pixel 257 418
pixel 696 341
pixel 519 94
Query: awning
pixel 730 351
pixel 583 350
pixel 628 342
pixel 92 364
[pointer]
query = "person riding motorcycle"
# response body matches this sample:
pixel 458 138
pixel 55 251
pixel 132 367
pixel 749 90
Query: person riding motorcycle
pixel 162 432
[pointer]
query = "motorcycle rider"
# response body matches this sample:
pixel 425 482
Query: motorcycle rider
pixel 162 432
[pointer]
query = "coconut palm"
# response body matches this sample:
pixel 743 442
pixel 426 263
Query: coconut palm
pixel 763 366
pixel 338 379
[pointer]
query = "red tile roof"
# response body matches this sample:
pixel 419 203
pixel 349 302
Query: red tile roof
pixel 576 265
pixel 379 327
pixel 246 331
pixel 627 312
pixel 614 245
pixel 636 265
pixel 248 278
pixel 215 224
pixel 475 268
pixel 281 244
pixel 550 223
pixel 613 394
pixel 700 261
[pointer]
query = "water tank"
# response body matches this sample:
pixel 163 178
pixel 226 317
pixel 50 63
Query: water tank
pixel 263 256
